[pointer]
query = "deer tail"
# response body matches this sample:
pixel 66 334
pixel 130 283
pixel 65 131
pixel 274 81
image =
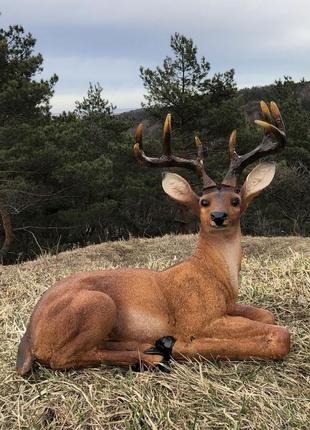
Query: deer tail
pixel 25 358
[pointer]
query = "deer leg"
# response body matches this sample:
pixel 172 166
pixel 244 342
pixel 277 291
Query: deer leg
pixel 78 336
pixel 124 354
pixel 236 338
pixel 252 313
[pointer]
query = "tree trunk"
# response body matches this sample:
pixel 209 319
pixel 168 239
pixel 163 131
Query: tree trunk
pixel 8 232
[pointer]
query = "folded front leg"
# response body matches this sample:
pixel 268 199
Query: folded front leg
pixel 117 353
pixel 236 338
pixel 255 314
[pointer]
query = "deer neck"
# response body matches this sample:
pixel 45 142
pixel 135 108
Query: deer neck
pixel 223 250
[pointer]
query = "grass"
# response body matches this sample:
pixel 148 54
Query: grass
pixel 210 395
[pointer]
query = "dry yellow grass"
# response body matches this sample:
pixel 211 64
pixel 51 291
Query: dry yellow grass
pixel 211 395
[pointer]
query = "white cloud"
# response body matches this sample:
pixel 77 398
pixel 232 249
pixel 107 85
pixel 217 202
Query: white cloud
pixel 119 78
pixel 92 69
pixel 257 16
pixel 106 41
pixel 123 99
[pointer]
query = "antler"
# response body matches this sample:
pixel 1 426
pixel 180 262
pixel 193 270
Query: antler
pixel 273 141
pixel 167 159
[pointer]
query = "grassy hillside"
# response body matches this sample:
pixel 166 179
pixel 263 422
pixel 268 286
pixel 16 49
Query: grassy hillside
pixel 211 395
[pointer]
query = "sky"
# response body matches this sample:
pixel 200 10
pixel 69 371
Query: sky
pixel 107 41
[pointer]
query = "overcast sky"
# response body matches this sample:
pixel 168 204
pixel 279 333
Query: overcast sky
pixel 106 41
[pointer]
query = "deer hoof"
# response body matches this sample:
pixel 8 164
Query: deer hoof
pixel 164 367
pixel 163 346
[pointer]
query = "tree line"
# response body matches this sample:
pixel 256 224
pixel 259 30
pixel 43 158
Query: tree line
pixel 71 179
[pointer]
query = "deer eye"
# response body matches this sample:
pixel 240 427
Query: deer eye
pixel 235 202
pixel 204 203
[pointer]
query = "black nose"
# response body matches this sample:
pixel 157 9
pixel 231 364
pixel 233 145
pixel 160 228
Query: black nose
pixel 218 217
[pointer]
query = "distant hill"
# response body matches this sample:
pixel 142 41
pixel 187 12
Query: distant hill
pixel 250 95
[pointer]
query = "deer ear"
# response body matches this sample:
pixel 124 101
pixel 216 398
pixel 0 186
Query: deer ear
pixel 179 189
pixel 258 179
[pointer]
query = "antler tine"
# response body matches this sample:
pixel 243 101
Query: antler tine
pixel 207 181
pixel 232 145
pixel 199 147
pixel 167 159
pixel 167 136
pixel 273 141
pixel 138 137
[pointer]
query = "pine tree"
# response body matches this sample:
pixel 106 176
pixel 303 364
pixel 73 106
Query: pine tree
pixel 24 103
pixel 182 87
pixel 177 85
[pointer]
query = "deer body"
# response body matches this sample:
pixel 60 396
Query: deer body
pixel 144 305
pixel 189 310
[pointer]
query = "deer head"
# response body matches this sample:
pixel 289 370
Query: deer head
pixel 220 205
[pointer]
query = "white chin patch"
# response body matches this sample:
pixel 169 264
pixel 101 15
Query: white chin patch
pixel 217 226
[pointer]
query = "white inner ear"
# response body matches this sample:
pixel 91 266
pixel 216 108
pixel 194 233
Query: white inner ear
pixel 259 178
pixel 177 187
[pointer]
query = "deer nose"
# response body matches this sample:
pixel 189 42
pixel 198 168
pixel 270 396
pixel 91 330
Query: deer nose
pixel 218 217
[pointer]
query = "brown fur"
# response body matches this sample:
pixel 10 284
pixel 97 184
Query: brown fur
pixel 114 316
pixel 24 360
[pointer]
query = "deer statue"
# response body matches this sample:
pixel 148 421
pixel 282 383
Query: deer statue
pixel 129 316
